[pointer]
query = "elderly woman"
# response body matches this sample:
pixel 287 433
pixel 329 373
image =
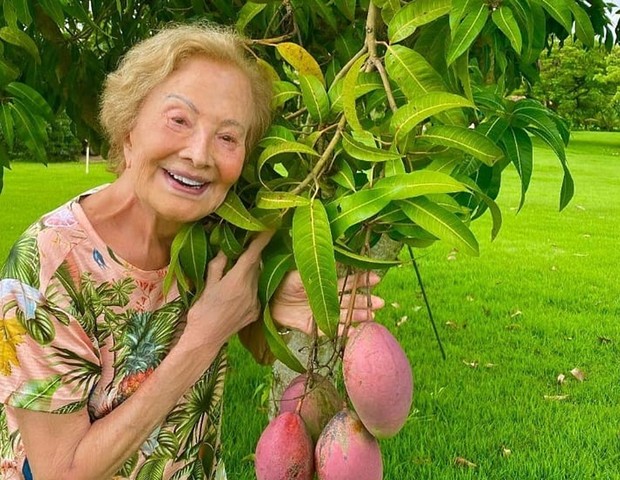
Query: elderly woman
pixel 101 374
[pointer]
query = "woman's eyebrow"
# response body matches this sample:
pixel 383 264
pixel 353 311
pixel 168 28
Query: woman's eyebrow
pixel 185 100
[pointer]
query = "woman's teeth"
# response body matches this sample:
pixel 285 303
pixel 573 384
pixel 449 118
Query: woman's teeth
pixel 188 182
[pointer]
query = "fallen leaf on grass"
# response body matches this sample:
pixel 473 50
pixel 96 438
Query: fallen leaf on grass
pixel 452 255
pixel 506 452
pixel 401 321
pixel 516 313
pixel 471 364
pixel 490 365
pixel 514 326
pixel 557 398
pixel 580 207
pixel 395 305
pixel 561 378
pixel 451 325
pixel 463 462
pixel 578 374
pixel 469 298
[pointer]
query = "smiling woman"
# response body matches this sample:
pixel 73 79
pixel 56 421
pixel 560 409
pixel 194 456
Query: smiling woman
pixel 104 374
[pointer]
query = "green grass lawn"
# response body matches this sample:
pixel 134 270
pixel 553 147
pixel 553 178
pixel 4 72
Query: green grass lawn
pixel 541 300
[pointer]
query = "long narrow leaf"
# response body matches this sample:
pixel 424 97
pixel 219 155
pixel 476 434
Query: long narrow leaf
pixel 441 223
pixel 467 32
pixel 233 211
pixel 277 345
pixel 465 139
pixel 314 256
pixel 519 150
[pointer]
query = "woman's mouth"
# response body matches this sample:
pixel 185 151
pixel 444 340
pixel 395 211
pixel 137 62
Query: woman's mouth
pixel 186 182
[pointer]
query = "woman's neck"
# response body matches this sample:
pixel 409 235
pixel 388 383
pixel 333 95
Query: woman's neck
pixel 129 228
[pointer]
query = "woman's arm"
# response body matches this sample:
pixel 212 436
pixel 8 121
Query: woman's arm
pixel 68 446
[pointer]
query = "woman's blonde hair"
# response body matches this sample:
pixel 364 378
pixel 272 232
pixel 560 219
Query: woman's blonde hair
pixel 149 62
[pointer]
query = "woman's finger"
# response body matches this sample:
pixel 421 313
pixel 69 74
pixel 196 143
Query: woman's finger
pixel 215 268
pixel 363 280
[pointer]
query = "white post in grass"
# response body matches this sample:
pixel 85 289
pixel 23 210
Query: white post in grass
pixel 87 156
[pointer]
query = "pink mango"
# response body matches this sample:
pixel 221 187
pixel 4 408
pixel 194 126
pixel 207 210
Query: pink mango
pixel 318 405
pixel 378 379
pixel 347 451
pixel 284 450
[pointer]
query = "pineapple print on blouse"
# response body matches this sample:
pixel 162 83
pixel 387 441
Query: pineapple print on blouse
pixel 82 328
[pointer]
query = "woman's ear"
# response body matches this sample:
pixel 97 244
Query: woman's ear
pixel 127 150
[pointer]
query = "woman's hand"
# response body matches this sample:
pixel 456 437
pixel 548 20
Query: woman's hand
pixel 290 307
pixel 229 301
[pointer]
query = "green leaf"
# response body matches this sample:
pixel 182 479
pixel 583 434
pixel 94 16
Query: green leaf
pixel 194 256
pixel 365 152
pixel 325 12
pixel 459 9
pixel 279 200
pixel 440 223
pixel 496 213
pixel 299 58
pixel 20 39
pixel 360 206
pixel 314 256
pixel 583 24
pixel 247 13
pixel 559 10
pixel 30 130
pixel 233 211
pixel 272 273
pixel 347 7
pixel 174 270
pixel 466 32
pixel 505 21
pixel 344 175
pixel 362 262
pixel 232 247
pixel 350 82
pixel 412 72
pixel 8 73
pixel 423 107
pixel 283 147
pixel 54 9
pixel 465 139
pixel 22 10
pixel 416 14
pixel 518 147
pixel 537 116
pixel 277 345
pixel 36 394
pixel 33 100
pixel 366 82
pixel 282 92
pixel 315 97
pixel 6 125
pixel 275 135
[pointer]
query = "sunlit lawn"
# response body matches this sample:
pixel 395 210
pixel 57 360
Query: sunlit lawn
pixel 541 300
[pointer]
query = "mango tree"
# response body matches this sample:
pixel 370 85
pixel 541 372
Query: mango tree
pixel 393 122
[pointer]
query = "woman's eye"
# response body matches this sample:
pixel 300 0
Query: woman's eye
pixel 229 139
pixel 179 121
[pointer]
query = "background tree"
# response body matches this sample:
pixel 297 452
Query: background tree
pixel 581 85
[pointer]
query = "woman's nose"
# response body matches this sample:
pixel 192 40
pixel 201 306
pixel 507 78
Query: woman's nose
pixel 198 150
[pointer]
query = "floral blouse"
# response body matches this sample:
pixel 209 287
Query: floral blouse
pixel 82 328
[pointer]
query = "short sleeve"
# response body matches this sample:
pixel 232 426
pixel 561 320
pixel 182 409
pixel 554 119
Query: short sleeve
pixel 47 361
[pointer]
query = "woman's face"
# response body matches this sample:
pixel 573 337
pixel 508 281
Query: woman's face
pixel 187 147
